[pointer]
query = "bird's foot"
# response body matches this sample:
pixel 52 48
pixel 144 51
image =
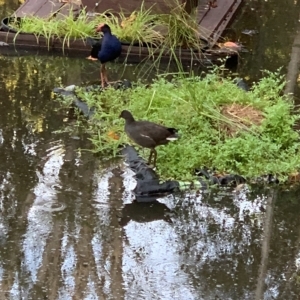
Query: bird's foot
pixel 151 166
pixel 108 83
pixel 91 58
pixel 104 84
pixel 111 82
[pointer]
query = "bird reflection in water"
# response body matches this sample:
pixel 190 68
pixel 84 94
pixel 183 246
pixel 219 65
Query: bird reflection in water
pixel 143 212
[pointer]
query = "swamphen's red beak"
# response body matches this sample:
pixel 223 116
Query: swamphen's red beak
pixel 99 27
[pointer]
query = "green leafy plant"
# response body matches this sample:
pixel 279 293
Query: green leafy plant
pixel 138 28
pixel 66 28
pixel 160 33
pixel 75 27
pixel 195 106
pixel 34 25
pixel 183 29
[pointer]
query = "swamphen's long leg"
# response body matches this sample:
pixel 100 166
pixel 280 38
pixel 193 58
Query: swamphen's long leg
pixel 102 75
pixel 105 75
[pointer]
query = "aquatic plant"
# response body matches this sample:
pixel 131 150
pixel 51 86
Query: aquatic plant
pixel 137 28
pixel 164 31
pixel 75 27
pixel 64 27
pixel 262 141
pixel 182 29
pixel 36 26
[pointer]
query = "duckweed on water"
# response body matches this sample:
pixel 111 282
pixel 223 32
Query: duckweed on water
pixel 194 105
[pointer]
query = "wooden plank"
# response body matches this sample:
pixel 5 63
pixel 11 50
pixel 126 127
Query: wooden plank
pixel 48 8
pixel 215 16
pixel 158 6
pixel 39 8
pixel 218 32
pixel 65 11
pixel 79 48
pixel 213 21
pixel 202 10
pixel 29 8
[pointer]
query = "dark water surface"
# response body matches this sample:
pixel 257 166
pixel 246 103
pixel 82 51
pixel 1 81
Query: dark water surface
pixel 69 228
pixel 276 23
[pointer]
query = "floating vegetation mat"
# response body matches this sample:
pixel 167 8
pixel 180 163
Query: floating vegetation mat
pixel 222 127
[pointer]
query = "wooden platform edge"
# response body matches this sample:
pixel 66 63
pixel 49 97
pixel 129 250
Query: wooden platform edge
pixel 228 18
pixel 131 54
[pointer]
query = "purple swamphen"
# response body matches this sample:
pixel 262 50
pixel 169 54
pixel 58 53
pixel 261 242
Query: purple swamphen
pixel 148 134
pixel 109 50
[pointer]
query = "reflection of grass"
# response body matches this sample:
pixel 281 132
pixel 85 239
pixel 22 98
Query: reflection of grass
pixel 195 106
pixel 38 70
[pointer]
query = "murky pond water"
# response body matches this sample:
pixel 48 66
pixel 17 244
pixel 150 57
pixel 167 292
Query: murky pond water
pixel 69 228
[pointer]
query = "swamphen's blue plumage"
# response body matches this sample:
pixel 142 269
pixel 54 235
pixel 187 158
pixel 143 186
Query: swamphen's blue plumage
pixel 110 49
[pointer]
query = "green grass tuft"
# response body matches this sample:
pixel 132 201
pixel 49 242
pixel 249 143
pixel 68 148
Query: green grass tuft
pixel 160 33
pixel 193 105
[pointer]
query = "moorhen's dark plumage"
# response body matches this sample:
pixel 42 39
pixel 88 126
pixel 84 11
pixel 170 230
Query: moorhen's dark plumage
pixel 148 134
pixel 110 49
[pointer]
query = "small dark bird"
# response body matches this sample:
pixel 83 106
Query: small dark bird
pixel 148 134
pixel 110 49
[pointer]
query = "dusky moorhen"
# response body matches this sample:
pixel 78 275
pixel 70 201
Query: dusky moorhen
pixel 110 49
pixel 148 134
